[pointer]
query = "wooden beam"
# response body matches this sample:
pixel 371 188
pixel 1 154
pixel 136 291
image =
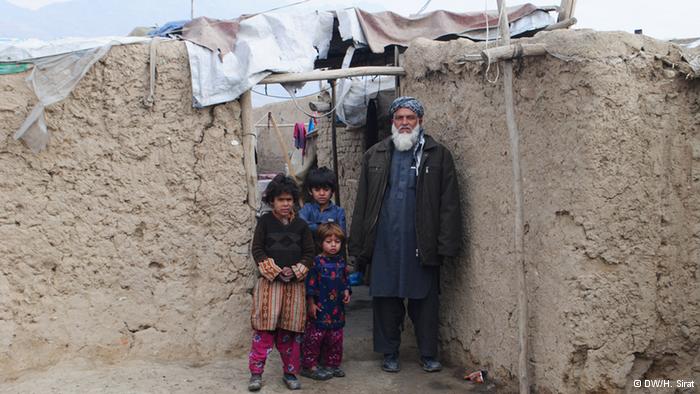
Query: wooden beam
pixel 249 143
pixel 519 231
pixel 283 146
pixel 566 10
pixel 334 144
pixel 513 51
pixel 565 24
pixel 319 75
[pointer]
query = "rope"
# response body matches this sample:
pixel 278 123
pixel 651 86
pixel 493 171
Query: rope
pixel 294 99
pixel 150 100
pixel 424 7
pixel 488 57
pixel 287 97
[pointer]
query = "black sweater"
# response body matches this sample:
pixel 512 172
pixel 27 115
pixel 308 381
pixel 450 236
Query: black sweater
pixel 286 244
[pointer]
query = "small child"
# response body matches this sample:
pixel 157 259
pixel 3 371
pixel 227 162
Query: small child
pixel 327 292
pixel 283 249
pixel 320 185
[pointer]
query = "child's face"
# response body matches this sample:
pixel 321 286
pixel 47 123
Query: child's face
pixel 282 205
pixel 331 245
pixel 321 194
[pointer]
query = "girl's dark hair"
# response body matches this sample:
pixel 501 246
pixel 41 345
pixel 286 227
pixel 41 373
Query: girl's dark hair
pixel 320 177
pixel 278 185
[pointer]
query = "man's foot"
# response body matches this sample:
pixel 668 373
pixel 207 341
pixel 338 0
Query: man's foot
pixel 316 373
pixel 291 381
pixel 255 382
pixel 391 362
pixel 336 372
pixel 430 364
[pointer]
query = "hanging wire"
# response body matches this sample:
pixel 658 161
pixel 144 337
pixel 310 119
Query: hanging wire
pixel 288 97
pixel 423 8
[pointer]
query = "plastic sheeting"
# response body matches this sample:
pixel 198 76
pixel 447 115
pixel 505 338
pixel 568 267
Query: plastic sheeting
pixel 58 67
pixel 53 79
pixel 26 50
pixel 266 43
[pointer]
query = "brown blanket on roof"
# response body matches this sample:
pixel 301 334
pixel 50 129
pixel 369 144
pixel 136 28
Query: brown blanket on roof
pixel 387 28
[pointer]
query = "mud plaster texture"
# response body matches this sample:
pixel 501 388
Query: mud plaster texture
pixel 610 153
pixel 128 238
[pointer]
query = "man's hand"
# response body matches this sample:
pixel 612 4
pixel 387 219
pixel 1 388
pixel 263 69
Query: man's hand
pixel 287 274
pixel 351 264
pixel 346 296
pixel 313 309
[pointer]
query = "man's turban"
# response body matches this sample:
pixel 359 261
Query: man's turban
pixel 407 102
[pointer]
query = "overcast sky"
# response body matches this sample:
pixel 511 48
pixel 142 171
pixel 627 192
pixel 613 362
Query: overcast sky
pixel 661 19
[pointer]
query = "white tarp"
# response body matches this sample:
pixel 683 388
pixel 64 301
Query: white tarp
pixel 537 20
pixel 29 49
pixel 266 43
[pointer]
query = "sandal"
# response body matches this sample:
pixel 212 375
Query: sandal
pixel 316 373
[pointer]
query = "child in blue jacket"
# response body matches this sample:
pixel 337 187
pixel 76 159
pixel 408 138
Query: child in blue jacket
pixel 320 185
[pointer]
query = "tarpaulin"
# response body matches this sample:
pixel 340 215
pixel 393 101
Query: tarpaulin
pixel 266 43
pixel 216 35
pixel 387 28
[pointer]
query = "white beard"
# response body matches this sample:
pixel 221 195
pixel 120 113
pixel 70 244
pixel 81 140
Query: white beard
pixel 404 141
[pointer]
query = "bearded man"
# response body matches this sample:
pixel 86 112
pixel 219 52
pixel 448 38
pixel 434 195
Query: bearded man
pixel 406 221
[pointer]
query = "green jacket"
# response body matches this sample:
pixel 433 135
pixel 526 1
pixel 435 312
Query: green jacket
pixel 438 214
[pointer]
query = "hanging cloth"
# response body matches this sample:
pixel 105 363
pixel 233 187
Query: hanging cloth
pixel 300 137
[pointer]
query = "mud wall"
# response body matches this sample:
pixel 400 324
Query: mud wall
pixel 610 153
pixel 128 237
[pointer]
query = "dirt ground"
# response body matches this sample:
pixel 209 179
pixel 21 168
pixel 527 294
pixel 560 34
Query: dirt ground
pixel 231 376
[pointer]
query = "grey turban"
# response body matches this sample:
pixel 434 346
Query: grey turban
pixel 407 102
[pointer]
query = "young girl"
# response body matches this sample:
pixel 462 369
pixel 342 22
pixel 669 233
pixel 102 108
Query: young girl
pixel 327 292
pixel 320 185
pixel 283 250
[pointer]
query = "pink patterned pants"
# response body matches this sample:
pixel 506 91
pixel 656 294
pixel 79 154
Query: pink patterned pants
pixel 318 341
pixel 288 344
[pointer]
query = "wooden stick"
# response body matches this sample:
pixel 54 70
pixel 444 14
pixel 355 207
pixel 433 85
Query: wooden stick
pixel 283 145
pixel 249 143
pixel 332 74
pixel 566 10
pixel 334 144
pixel 523 359
pixel 513 51
pixel 565 24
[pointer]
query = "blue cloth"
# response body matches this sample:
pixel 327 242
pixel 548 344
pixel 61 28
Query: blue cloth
pixel 407 102
pixel 326 282
pixel 312 215
pixel 396 267
pixel 168 28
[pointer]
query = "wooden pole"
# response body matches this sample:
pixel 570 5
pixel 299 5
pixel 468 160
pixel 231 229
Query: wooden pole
pixel 249 143
pixel 331 74
pixel 398 78
pixel 523 359
pixel 566 10
pixel 283 145
pixel 512 51
pixel 565 24
pixel 334 143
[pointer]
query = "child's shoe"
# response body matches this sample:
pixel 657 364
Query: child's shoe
pixel 316 373
pixel 336 372
pixel 291 381
pixel 255 382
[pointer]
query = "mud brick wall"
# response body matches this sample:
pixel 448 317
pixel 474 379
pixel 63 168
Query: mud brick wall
pixel 610 153
pixel 128 237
